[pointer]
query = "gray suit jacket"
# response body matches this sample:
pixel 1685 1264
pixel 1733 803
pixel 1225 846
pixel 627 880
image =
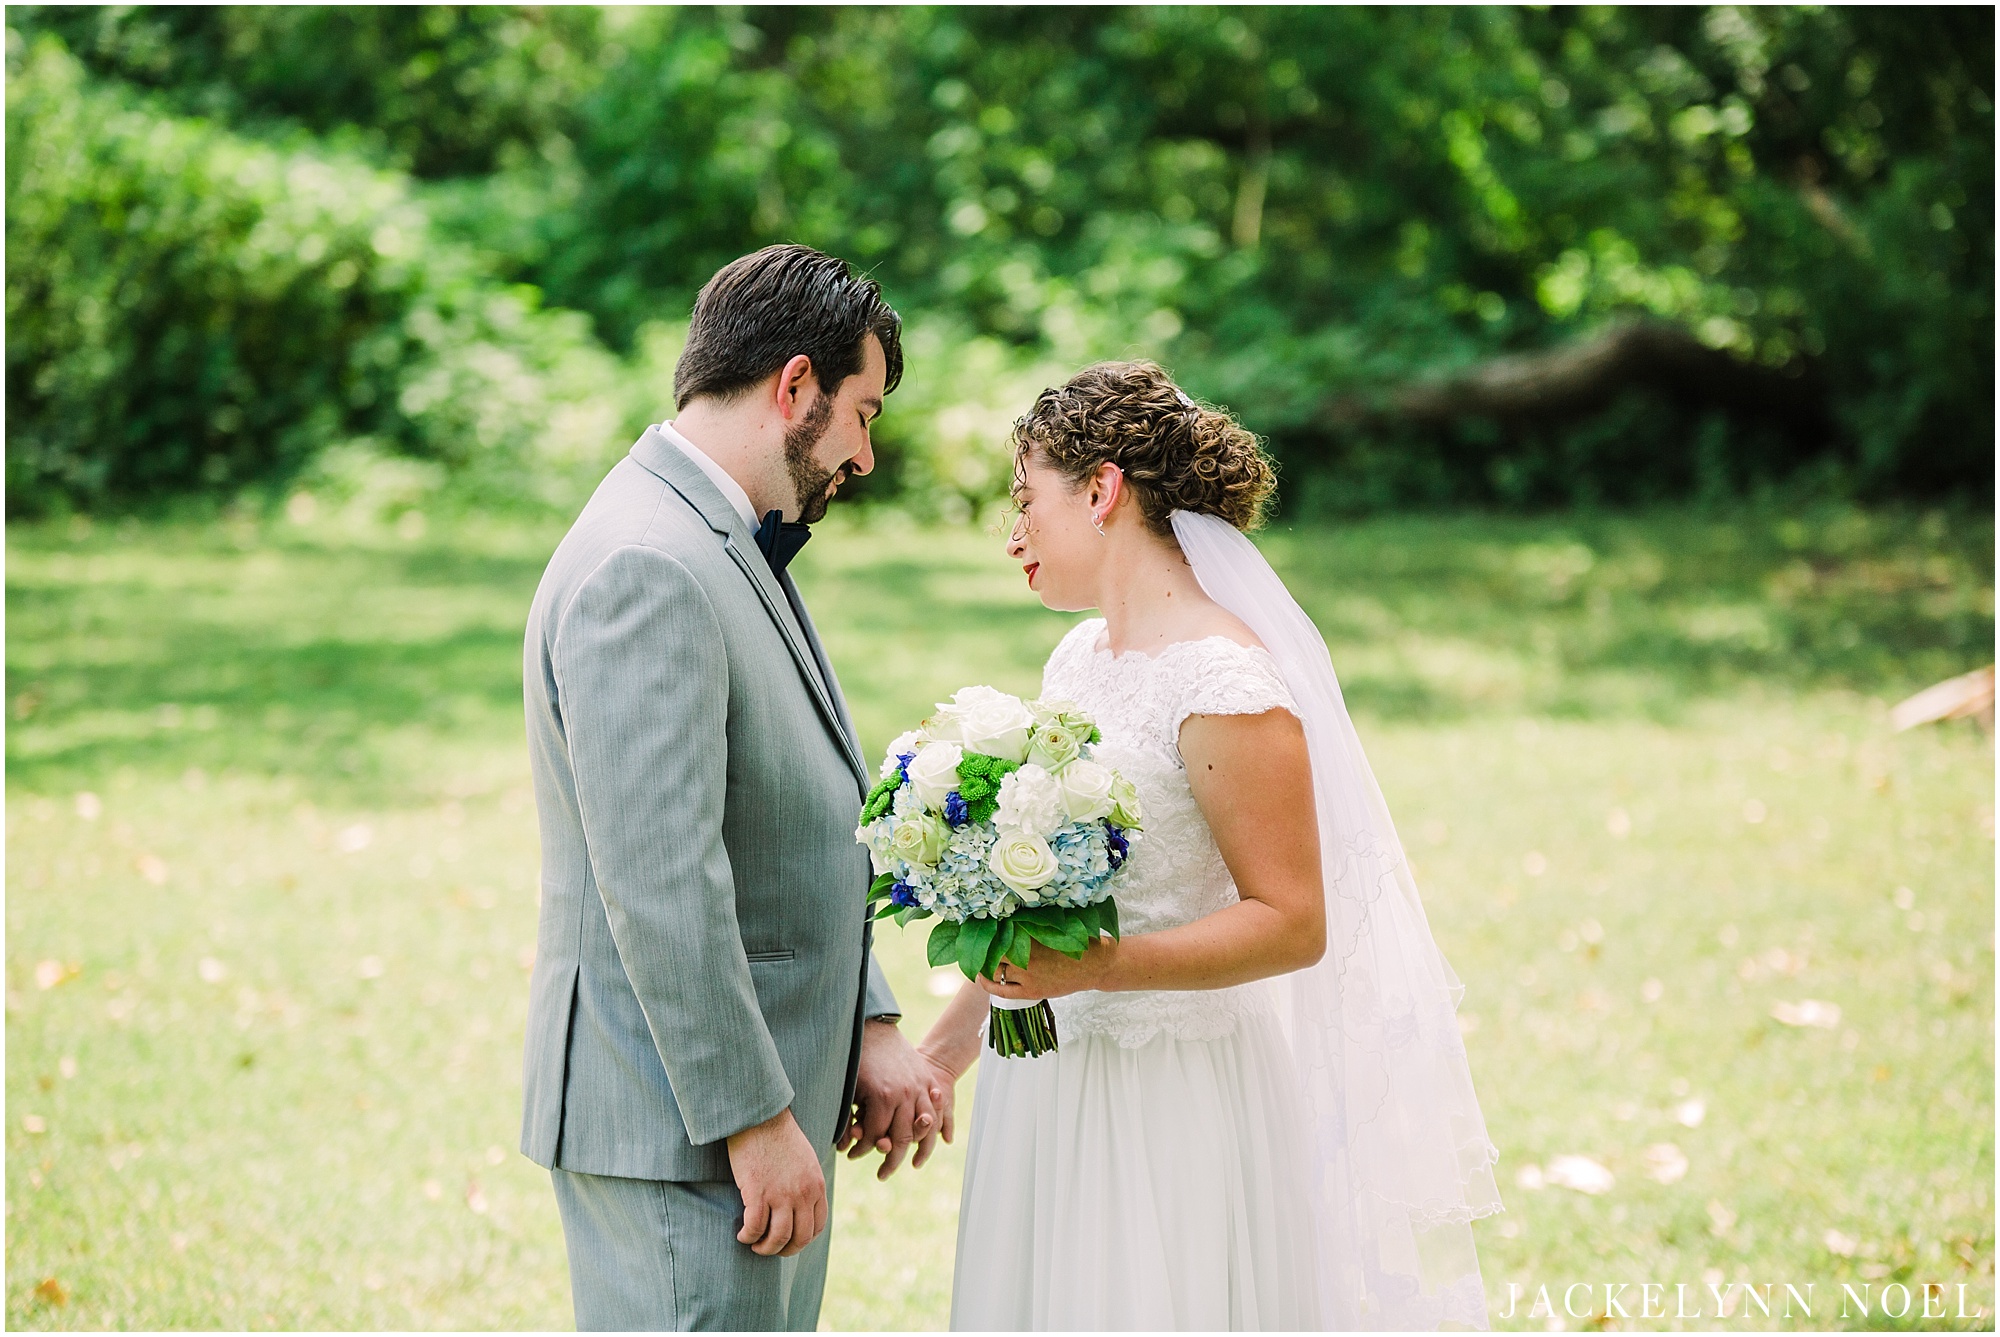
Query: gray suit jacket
pixel 703 956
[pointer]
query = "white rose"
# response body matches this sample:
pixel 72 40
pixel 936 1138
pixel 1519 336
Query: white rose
pixel 904 745
pixel 1029 801
pixel 934 772
pixel 875 836
pixel 1024 862
pixel 991 722
pixel 1053 746
pixel 919 840
pixel 1085 787
pixel 1125 809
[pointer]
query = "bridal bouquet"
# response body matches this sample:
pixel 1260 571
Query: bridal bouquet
pixel 993 816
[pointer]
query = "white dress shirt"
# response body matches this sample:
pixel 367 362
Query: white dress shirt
pixel 731 490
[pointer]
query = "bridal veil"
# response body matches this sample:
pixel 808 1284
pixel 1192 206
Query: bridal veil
pixel 1400 1164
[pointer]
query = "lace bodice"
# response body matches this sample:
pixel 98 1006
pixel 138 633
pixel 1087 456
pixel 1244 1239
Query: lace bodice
pixel 1176 874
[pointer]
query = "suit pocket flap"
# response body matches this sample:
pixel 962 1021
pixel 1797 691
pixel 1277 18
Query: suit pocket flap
pixel 775 954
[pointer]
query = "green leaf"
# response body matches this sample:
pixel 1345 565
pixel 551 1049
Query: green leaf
pixel 884 910
pixel 1023 944
pixel 1107 915
pixel 943 944
pixel 881 886
pixel 1088 917
pixel 1068 939
pixel 974 937
pixel 1002 939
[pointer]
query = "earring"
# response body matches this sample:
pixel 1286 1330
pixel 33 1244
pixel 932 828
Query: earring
pixel 1098 521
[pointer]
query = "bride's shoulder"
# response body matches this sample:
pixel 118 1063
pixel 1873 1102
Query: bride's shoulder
pixel 1217 624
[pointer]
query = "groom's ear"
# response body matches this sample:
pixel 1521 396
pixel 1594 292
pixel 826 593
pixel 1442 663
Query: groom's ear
pixel 797 384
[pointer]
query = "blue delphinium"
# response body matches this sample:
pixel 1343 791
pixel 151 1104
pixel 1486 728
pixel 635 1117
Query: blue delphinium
pixel 955 810
pixel 1119 847
pixel 902 895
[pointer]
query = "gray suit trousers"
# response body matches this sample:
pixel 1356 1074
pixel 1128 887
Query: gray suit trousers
pixel 652 1255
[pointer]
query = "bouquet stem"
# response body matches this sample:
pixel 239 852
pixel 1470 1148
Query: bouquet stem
pixel 1021 1031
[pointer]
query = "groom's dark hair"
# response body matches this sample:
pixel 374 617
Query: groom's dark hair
pixel 761 311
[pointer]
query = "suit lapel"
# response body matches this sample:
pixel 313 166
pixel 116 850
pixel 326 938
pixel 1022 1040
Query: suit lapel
pixel 662 457
pixel 832 682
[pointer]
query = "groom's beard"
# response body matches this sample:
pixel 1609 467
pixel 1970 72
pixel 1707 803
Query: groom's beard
pixel 809 478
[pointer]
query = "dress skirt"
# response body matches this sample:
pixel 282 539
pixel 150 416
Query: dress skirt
pixel 1156 1186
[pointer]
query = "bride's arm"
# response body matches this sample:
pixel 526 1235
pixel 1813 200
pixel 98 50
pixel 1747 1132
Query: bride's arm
pixel 952 1042
pixel 1251 777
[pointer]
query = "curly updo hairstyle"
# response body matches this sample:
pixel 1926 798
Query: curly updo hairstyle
pixel 1176 454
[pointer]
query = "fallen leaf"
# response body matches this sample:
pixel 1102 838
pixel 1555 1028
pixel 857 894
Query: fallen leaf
pixel 50 1291
pixel 1666 1162
pixel 1807 1012
pixel 1579 1173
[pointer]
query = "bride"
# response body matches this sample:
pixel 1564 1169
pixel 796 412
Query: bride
pixel 1260 1114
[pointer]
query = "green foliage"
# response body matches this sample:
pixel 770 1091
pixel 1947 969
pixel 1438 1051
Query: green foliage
pixel 188 309
pixel 941 948
pixel 442 90
pixel 1302 210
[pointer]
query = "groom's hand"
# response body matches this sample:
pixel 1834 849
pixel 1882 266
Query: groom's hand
pixel 902 1098
pixel 783 1188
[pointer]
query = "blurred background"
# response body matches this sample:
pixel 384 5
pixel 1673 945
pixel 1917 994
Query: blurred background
pixel 1630 373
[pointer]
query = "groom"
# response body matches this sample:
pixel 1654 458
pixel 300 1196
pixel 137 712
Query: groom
pixel 706 1025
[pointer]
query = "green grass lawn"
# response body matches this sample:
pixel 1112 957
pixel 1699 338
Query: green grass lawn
pixel 272 864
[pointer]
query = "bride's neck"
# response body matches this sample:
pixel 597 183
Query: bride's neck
pixel 1148 596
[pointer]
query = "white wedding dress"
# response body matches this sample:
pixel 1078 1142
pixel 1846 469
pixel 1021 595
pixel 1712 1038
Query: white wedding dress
pixel 1151 1172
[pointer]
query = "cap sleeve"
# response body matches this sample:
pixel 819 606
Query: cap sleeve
pixel 1219 677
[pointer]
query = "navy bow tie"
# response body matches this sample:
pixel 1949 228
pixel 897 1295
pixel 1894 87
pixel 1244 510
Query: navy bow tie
pixel 780 541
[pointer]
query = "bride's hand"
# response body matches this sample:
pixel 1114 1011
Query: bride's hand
pixel 1050 974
